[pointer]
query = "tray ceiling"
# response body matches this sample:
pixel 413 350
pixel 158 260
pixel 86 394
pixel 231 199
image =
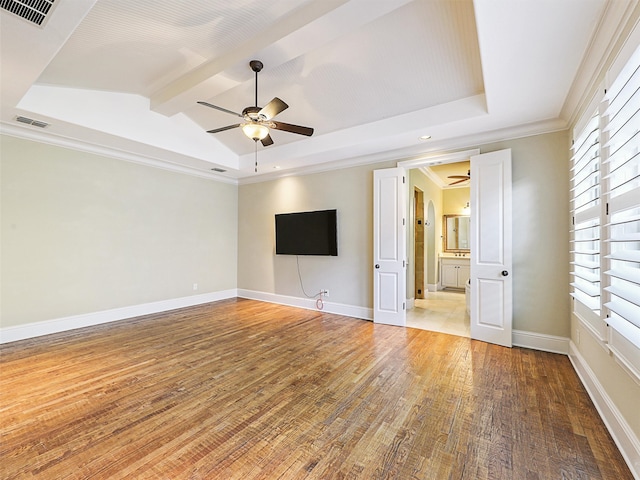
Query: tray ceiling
pixel 370 77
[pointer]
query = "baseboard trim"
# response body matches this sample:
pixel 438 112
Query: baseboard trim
pixel 308 303
pixel 411 302
pixel 540 341
pixel 620 431
pixel 47 327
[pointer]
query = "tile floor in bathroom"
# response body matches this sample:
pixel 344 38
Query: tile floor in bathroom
pixel 443 311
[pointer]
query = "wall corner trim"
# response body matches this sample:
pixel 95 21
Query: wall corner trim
pixel 46 327
pixel 363 313
pixel 621 432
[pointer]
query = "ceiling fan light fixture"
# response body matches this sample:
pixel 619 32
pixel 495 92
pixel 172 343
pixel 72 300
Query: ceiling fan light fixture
pixel 255 131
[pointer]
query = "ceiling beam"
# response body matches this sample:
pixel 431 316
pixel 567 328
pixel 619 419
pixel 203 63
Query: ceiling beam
pixel 305 29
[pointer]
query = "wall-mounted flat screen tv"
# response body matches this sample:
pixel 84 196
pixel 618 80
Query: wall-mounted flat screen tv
pixel 307 233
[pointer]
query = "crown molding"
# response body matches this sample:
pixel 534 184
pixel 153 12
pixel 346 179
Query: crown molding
pixel 28 133
pixel 616 26
pixel 405 155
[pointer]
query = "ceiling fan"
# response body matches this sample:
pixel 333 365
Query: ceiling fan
pixel 258 121
pixel 460 178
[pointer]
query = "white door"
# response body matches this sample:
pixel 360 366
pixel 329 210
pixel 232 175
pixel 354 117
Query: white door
pixel 491 275
pixel 389 245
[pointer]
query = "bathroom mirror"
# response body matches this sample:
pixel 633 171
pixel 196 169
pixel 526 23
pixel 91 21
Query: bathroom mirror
pixel 456 233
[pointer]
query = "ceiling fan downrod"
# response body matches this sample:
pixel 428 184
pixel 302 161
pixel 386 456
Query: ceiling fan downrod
pixel 256 66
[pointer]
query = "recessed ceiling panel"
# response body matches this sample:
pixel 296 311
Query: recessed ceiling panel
pixel 137 46
pixel 418 56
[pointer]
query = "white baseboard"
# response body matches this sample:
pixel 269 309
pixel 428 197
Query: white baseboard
pixel 622 434
pixel 540 341
pixel 36 329
pixel 432 287
pixel 308 303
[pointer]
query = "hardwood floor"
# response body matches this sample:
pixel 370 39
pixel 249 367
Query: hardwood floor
pixel 240 389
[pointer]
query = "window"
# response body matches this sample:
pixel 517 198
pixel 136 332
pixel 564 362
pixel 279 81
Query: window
pixel 621 162
pixel 585 210
pixel 605 206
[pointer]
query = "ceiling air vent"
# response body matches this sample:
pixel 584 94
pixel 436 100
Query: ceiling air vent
pixel 34 11
pixel 31 121
pixel 218 169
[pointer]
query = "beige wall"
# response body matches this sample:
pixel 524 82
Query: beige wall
pixel 540 241
pixel 623 391
pixel 348 276
pixel 83 233
pixel 540 179
pixel 455 200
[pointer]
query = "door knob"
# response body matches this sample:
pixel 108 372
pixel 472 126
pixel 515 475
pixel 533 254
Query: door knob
pixel 504 273
pixel 377 266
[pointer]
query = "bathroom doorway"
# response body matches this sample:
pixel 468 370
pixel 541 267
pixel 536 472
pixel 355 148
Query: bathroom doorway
pixel 436 306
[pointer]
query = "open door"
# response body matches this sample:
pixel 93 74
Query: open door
pixel 491 251
pixel 389 245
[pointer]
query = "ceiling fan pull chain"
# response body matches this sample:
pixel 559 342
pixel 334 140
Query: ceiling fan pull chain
pixel 256 143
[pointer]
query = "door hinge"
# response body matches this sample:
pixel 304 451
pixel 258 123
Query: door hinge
pixel 403 264
pixel 607 208
pixel 403 179
pixel 403 306
pixel 403 222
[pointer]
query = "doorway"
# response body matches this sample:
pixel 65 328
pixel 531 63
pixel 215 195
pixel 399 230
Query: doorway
pixel 491 283
pixel 433 305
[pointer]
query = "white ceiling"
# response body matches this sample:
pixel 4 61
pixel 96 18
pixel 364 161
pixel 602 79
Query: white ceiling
pixel 370 76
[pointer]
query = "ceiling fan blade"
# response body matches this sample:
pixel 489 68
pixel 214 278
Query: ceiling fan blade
pixel 220 108
pixel 460 181
pixel 228 127
pixel 273 108
pixel 266 141
pixel 458 176
pixel 287 127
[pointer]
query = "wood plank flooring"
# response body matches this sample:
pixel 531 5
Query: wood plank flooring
pixel 241 389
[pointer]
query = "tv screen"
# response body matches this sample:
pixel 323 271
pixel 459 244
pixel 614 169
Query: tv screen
pixel 307 233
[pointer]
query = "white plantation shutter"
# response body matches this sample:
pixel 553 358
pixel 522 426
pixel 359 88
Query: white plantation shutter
pixel 585 211
pixel 621 184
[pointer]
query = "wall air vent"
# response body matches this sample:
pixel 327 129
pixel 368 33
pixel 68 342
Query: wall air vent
pixel 34 11
pixel 219 170
pixel 31 121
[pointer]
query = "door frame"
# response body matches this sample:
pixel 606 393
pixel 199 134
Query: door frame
pixel 405 165
pixel 452 158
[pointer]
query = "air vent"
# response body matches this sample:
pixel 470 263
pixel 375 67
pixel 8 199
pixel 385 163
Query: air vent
pixel 31 121
pixel 219 170
pixel 34 11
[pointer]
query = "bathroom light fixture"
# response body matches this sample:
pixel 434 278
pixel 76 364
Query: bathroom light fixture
pixel 425 137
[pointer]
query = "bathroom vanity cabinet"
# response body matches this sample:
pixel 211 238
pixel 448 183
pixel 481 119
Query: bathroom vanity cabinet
pixel 454 272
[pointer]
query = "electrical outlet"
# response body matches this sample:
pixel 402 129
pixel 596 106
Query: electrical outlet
pixel 325 293
pixel 195 286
